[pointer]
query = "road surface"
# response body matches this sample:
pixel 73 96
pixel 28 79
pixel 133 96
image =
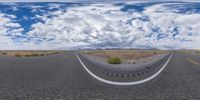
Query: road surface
pixel 62 77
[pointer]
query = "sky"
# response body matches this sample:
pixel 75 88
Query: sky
pixel 82 24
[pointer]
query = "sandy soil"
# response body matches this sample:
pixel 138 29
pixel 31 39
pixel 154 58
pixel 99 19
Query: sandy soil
pixel 124 54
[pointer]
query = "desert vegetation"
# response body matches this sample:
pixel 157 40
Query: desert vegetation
pixel 29 53
pixel 124 54
pixel 119 56
pixel 114 60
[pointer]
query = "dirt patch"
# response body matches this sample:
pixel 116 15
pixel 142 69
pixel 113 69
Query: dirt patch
pixel 124 54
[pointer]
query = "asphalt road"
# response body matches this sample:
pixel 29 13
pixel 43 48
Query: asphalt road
pixel 62 77
pixel 114 76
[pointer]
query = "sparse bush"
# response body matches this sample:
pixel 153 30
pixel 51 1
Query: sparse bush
pixel 56 52
pixel 34 54
pixel 154 52
pixel 42 54
pixel 4 53
pixel 114 60
pixel 17 55
pixel 30 53
pixel 27 55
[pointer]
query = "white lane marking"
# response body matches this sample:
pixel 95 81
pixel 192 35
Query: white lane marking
pixel 192 61
pixel 124 83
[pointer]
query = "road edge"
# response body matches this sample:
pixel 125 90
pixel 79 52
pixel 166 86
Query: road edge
pixel 124 83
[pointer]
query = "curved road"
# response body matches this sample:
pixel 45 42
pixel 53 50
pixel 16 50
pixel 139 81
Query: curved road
pixel 62 77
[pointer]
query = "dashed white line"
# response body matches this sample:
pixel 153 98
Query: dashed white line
pixel 124 83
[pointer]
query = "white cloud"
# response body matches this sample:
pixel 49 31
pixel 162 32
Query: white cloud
pixel 12 25
pixel 25 18
pixel 105 25
pixel 6 26
pixel 127 1
pixel 185 24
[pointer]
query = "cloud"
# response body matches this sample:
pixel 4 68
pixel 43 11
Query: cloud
pixel 105 25
pixel 122 1
pixel 6 26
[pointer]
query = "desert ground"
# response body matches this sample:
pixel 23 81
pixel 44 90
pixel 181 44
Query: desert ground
pixel 192 51
pixel 124 54
pixel 28 53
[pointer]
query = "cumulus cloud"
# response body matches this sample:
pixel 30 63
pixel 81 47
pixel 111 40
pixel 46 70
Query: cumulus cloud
pixel 6 26
pixel 12 37
pixel 107 26
pixel 104 26
pixel 181 29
